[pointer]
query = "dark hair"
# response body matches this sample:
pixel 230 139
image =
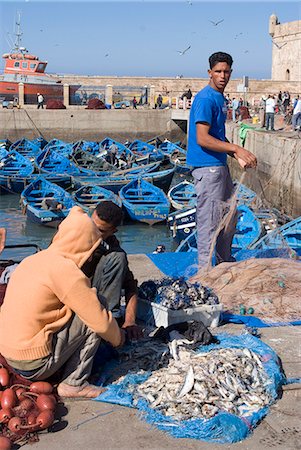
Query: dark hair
pixel 109 212
pixel 220 57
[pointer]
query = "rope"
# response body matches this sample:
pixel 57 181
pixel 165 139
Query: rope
pixel 35 127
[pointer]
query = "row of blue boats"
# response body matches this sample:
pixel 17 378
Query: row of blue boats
pixel 54 176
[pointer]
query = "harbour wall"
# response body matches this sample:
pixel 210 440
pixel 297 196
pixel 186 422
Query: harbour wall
pixel 75 124
pixel 277 180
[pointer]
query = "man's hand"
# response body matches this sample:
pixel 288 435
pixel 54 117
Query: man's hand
pixel 244 158
pixel 133 331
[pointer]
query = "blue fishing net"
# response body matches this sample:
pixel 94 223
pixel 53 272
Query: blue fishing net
pixel 222 428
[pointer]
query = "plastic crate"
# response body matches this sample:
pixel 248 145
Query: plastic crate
pixel 160 316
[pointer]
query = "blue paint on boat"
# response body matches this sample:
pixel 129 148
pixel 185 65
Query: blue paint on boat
pixel 32 202
pixel 88 197
pixel 52 162
pixel 13 165
pixel 26 148
pixel 144 202
pixel 287 235
pixel 248 231
pixel 182 195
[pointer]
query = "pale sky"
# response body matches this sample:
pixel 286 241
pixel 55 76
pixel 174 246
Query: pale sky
pixel 145 38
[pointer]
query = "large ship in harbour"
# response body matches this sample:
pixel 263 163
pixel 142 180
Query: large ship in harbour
pixel 22 67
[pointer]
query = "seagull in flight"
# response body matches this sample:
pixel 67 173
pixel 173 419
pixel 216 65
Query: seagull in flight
pixel 216 23
pixel 189 2
pixel 182 52
pixel 106 55
pixel 278 45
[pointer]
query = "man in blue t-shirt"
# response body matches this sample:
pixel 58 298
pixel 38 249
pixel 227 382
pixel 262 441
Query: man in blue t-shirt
pixel 207 153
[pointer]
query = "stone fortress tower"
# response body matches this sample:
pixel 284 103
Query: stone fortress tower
pixel 286 52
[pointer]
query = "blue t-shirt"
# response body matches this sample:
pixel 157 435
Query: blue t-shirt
pixel 209 106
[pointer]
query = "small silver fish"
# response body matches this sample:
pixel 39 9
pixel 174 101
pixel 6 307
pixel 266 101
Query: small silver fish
pixel 188 384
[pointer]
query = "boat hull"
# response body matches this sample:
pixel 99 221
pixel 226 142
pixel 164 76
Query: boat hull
pixel 10 90
pixel 46 220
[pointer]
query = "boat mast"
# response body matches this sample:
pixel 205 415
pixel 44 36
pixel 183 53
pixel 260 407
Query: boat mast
pixel 18 35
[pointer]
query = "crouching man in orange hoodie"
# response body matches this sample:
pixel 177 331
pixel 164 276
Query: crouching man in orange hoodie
pixel 51 317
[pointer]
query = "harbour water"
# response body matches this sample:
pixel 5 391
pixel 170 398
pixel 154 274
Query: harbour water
pixel 134 237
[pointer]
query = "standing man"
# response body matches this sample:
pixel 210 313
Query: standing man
pixel 270 112
pixel 296 119
pixel 235 109
pixel 207 153
pixel 40 100
pixel 134 103
pixel 159 101
pixel 262 117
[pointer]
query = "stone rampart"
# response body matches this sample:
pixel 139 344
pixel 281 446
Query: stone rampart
pixel 277 179
pixel 174 87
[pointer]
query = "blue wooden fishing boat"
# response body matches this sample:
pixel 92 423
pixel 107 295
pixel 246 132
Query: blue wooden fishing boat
pixel 167 147
pixel 248 231
pixel 45 203
pixel 52 162
pixel 14 165
pixel 107 176
pixel 40 142
pixel 3 152
pixel 178 158
pixel 16 184
pixel 86 160
pixel 5 143
pixel 87 146
pixel 145 152
pixel 162 179
pixel 26 148
pixel 182 223
pixel 182 195
pixel 107 142
pixel 144 202
pixel 88 197
pixel 61 147
pixel 288 235
pixel 244 194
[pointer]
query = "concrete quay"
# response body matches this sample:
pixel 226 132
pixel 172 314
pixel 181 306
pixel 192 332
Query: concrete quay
pixel 93 425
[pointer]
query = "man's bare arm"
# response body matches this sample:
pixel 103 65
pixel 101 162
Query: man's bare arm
pixel 245 158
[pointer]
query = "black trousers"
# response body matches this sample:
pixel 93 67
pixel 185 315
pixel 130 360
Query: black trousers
pixel 109 277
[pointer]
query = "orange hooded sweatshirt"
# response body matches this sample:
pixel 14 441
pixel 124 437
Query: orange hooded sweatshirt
pixel 47 286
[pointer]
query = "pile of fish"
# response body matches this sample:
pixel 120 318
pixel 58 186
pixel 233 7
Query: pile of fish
pixel 177 293
pixel 199 385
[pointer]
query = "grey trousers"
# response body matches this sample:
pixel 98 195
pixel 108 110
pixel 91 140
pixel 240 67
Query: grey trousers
pixel 214 188
pixel 109 277
pixel 73 350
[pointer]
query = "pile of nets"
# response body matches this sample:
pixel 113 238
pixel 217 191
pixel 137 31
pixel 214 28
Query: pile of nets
pixel 55 104
pixel 95 103
pixel 269 285
pixel 224 427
